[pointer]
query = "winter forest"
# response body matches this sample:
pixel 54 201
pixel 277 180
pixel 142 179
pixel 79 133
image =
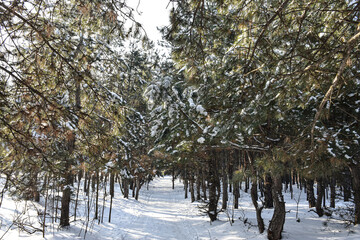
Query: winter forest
pixel 243 122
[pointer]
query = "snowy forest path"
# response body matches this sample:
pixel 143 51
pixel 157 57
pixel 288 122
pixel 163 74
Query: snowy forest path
pixel 161 213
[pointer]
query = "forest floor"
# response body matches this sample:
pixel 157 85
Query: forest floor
pixel 162 214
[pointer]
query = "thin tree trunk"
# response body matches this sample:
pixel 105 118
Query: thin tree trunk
pixel 93 182
pixel 246 185
pixel 57 202
pixel 4 188
pixel 186 184
pixel 268 200
pixel 46 181
pixel 355 173
pixel 203 185
pixel 77 198
pixel 112 190
pixel 278 219
pixel 97 197
pixel 254 197
pixel 86 182
pixel 319 196
pixel 35 188
pixel 192 191
pixel 198 185
pixel 347 186
pixel 291 185
pixel 236 193
pixel 125 183
pixel 88 185
pixel 103 205
pixel 173 177
pixel 66 197
pixel 138 186
pixel 332 192
pixel 225 196
pixel 133 187
pixel 310 193
pixel 213 185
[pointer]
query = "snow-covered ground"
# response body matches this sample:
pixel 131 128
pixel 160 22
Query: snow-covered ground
pixel 163 213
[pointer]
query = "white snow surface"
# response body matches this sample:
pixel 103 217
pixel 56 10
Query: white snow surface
pixel 162 213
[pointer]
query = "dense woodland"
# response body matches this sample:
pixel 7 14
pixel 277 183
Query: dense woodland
pixel 263 94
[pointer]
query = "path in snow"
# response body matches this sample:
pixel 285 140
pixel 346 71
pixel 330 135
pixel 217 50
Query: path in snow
pixel 161 213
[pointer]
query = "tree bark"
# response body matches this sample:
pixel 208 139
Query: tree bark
pixel 173 177
pixel 319 196
pixel 198 185
pixel 65 200
pixel 225 190
pixel 85 182
pixel 186 184
pixel 112 191
pixel 278 219
pixel 125 184
pixel 76 199
pixel 192 191
pixel 355 173
pixel 310 193
pixel 97 196
pixel 254 197
pixel 203 185
pixel 332 192
pixel 138 187
pixel 268 200
pixel 213 185
pixel 236 192
pixel 347 186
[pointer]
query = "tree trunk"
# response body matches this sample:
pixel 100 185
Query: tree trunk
pixel 332 192
pixel 203 185
pixel 310 193
pixel 112 192
pixel 347 187
pixel 125 184
pixel 213 185
pixel 173 178
pixel 4 188
pixel 104 198
pixel 225 196
pixel 278 219
pixel 46 181
pixel 236 192
pixel 319 196
pixel 138 186
pixel 291 185
pixel 93 182
pixel 35 189
pixel 192 191
pixel 133 187
pixel 85 182
pixel 76 199
pixel 268 201
pixel 254 197
pixel 186 184
pixel 355 173
pixel 66 188
pixel 65 202
pixel 97 197
pixel 247 185
pixel 198 185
